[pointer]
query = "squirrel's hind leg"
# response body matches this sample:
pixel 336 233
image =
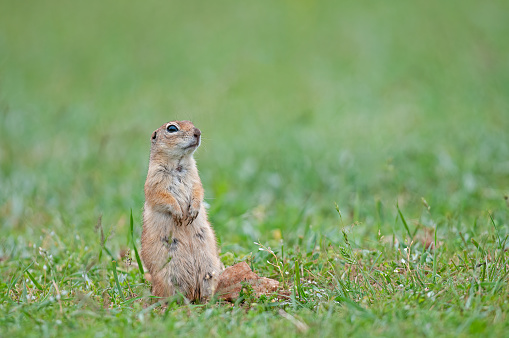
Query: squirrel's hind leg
pixel 161 286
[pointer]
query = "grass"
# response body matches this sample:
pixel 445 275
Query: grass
pixel 363 147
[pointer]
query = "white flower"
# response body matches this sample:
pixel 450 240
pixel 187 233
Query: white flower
pixel 87 280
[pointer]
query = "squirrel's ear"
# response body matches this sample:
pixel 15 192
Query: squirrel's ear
pixel 154 135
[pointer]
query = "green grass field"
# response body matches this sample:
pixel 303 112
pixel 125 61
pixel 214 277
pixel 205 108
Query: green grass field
pixel 396 112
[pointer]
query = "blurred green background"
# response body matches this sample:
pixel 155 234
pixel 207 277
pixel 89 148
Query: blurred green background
pixel 301 104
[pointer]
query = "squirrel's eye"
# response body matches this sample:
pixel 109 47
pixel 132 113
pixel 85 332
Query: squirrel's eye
pixel 172 128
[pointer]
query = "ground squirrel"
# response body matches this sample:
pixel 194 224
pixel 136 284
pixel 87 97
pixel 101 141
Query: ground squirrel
pixel 178 245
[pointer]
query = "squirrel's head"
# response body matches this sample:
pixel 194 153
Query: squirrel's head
pixel 176 139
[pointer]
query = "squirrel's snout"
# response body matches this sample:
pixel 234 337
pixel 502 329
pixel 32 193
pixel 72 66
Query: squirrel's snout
pixel 197 132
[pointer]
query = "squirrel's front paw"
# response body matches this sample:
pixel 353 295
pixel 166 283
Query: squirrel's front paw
pixel 178 217
pixel 192 213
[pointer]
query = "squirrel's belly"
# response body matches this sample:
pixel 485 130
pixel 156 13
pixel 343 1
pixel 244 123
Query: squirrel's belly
pixel 194 262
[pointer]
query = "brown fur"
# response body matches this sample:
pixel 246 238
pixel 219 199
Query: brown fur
pixel 178 245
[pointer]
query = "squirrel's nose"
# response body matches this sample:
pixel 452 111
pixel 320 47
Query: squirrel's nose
pixel 197 132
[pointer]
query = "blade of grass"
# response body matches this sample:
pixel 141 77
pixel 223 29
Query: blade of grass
pixel 496 230
pixel 138 260
pixel 24 292
pixel 481 250
pixel 403 221
pixel 114 267
pixel 435 255
pixel 298 285
pixel 15 280
pixel 108 252
pixel 37 285
pixel 129 301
